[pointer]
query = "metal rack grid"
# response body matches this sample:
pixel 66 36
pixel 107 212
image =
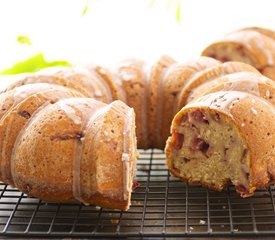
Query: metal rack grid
pixel 162 206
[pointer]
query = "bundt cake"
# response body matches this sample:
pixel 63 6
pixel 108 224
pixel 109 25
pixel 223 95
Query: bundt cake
pixel 67 133
pixel 254 45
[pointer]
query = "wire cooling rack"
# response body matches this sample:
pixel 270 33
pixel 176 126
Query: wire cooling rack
pixel 162 206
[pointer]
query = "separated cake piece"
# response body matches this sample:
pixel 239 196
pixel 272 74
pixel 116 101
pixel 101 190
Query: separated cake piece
pixel 224 137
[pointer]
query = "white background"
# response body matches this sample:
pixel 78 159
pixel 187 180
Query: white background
pixel 116 29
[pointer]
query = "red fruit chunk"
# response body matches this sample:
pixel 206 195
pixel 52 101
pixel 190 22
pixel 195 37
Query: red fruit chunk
pixel 199 116
pixel 135 185
pixel 200 144
pixel 177 140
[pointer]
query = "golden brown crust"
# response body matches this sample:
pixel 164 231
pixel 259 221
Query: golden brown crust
pixel 108 136
pixel 16 118
pixel 135 84
pixel 51 167
pixel 155 97
pixel 247 45
pixel 250 82
pixel 60 130
pixel 77 78
pixel 264 31
pixel 210 74
pixel 112 81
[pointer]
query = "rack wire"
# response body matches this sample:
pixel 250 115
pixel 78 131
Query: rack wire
pixel 162 206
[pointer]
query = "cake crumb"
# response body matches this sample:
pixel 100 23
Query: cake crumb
pixel 202 222
pixel 136 203
pixel 254 111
